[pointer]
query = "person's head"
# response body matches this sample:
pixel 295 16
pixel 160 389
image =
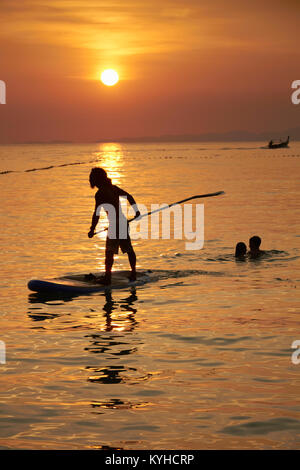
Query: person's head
pixel 240 249
pixel 254 243
pixel 98 177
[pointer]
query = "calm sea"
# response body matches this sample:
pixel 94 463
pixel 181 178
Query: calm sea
pixel 202 357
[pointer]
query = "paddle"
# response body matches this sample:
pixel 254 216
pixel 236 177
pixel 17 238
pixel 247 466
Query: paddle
pixel 169 205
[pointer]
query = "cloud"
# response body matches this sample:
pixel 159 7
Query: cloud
pixel 136 24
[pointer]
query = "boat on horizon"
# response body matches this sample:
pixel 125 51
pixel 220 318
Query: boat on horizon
pixel 278 145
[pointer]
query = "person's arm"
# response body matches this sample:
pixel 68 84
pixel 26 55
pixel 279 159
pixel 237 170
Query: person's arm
pixel 131 201
pixel 95 220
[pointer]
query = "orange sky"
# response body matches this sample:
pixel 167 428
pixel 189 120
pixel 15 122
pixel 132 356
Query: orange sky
pixel 186 67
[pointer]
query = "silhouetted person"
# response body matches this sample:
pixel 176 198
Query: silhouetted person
pixel 254 244
pixel 240 250
pixel 109 194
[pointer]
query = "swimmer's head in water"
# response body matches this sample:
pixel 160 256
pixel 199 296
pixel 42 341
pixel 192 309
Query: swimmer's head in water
pixel 98 176
pixel 254 243
pixel 240 249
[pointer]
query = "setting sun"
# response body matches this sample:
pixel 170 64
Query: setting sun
pixel 109 77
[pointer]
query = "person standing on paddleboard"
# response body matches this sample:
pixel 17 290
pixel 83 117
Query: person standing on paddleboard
pixel 118 231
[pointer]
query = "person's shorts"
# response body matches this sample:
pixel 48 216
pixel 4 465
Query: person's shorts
pixel 113 245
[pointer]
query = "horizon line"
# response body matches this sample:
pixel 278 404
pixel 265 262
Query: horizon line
pixel 170 138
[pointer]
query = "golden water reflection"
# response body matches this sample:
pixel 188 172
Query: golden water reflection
pixel 110 156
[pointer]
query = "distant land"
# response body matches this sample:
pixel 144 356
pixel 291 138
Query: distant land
pixel 231 136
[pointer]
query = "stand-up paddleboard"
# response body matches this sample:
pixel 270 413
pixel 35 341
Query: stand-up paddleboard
pixel 76 284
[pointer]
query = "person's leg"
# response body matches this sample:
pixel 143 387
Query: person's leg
pixel 109 261
pixel 132 262
pixel 126 247
pixel 111 249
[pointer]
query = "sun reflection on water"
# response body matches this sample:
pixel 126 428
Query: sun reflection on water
pixel 110 156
